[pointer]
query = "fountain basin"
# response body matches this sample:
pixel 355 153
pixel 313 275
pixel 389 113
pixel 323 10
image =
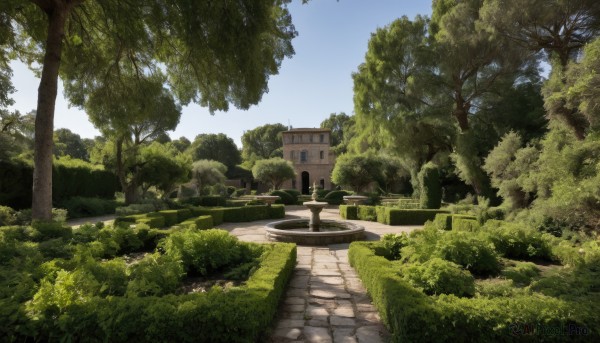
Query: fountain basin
pixel 267 199
pixel 329 232
pixel 354 199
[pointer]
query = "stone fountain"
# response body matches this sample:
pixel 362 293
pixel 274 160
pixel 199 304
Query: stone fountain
pixel 314 231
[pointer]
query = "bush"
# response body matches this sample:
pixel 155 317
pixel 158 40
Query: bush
pixel 464 223
pixel 199 223
pixel 134 209
pixel 406 311
pixel 349 212
pixel 470 251
pixel 155 275
pixel 392 245
pixel 171 217
pixel 8 216
pixel 245 214
pixel 431 189
pixel 215 213
pixel 203 252
pixel 437 276
pixel 42 230
pixel 276 212
pixel 516 241
pixel 336 197
pixel 208 201
pixel 155 222
pixel 392 216
pixel 367 213
pixel 443 221
pixel 521 273
pixel 79 207
pixel 285 197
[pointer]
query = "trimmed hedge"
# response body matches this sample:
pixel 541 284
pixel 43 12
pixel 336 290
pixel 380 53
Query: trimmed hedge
pixel 171 217
pixel 412 316
pixel 153 222
pixel 368 213
pixel 208 200
pixel 349 212
pixel 461 222
pixel 198 223
pixel 443 221
pixel 335 197
pixel 215 212
pixel 285 197
pixel 431 189
pixel 392 216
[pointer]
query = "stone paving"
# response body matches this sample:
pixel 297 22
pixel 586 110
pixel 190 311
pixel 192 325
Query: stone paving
pixel 326 302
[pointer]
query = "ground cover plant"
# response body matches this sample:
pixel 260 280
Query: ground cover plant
pixel 132 283
pixel 498 282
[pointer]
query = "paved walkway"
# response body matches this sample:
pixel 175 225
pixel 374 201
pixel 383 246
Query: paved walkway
pixel 325 301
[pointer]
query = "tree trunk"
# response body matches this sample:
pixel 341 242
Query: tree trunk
pixel 41 205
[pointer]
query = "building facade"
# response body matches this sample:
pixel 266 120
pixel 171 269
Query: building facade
pixel 309 151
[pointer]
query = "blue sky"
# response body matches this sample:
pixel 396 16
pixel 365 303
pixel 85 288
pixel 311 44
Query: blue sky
pixel 315 82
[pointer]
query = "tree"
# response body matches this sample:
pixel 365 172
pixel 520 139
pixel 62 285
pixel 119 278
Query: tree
pixel 342 129
pixel 199 44
pixel 208 173
pixel 67 143
pixel 262 142
pixel 151 110
pixel 217 147
pixel 163 167
pixel 16 133
pixel 357 171
pixel 560 28
pixel 181 144
pixel 273 171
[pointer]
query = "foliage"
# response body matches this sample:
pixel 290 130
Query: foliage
pixel 67 143
pixel 262 142
pixel 135 209
pixel 437 276
pixel 216 147
pixel 472 252
pixel 163 167
pixel 207 173
pixel 155 275
pixel 431 190
pixel 8 216
pixel 393 243
pixel 342 129
pixel 285 197
pixel 79 207
pixel 207 200
pixel 273 171
pixel 522 273
pixel 348 212
pixel 392 216
pixel 517 241
pixel 336 197
pixel 357 171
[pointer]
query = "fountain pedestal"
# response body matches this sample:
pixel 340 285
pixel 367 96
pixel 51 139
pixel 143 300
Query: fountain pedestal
pixel 315 208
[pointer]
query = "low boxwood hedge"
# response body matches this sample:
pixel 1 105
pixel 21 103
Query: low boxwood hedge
pixel 198 223
pixel 392 216
pixel 461 222
pixel 412 316
pixel 215 212
pixel 349 212
pixel 170 216
pixel 443 221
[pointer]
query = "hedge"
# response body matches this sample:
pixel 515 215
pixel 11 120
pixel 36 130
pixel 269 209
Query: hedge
pixel 461 222
pixel 349 212
pixel 199 223
pixel 239 314
pixel 285 197
pixel 335 197
pixel 392 216
pixel 209 201
pixel 368 213
pixel 67 182
pixel 443 221
pixel 412 316
pixel 169 218
pixel 431 189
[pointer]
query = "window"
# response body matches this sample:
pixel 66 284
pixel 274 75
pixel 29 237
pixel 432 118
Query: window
pixel 300 136
pixel 322 183
pixel 292 155
pixel 322 154
pixel 293 136
pixel 303 156
pixel 322 138
pixel 310 138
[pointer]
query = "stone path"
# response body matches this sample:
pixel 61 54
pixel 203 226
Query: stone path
pixel 326 302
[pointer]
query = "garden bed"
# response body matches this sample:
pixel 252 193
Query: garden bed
pixel 499 284
pixel 96 284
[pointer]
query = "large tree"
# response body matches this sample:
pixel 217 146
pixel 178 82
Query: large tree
pixel 273 171
pixel 67 143
pixel 217 147
pixel 262 142
pixel 215 53
pixel 342 129
pixel 558 28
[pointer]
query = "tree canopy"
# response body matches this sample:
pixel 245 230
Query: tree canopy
pixel 213 53
pixel 216 147
pixel 262 142
pixel 273 171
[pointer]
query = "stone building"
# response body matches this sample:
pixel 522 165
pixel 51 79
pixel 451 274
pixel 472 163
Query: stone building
pixel 309 151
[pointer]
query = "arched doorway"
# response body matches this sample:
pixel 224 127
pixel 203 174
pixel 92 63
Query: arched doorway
pixel 305 182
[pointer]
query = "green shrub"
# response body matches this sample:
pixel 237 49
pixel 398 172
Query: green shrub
pixel 208 201
pixel 367 213
pixel 515 241
pixel 443 221
pixel 437 276
pixel 155 222
pixel 336 197
pixel 464 223
pixel 249 213
pixel 431 189
pixel 470 251
pixel 134 209
pixel 8 216
pixel 155 275
pixel 170 216
pixel 183 214
pixel 412 316
pixel 216 213
pixel 43 230
pixel 205 251
pixel 79 207
pixel 198 223
pixel 276 212
pixel 392 216
pixel 349 212
pixel 521 273
pixel 285 197
pixel 392 244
